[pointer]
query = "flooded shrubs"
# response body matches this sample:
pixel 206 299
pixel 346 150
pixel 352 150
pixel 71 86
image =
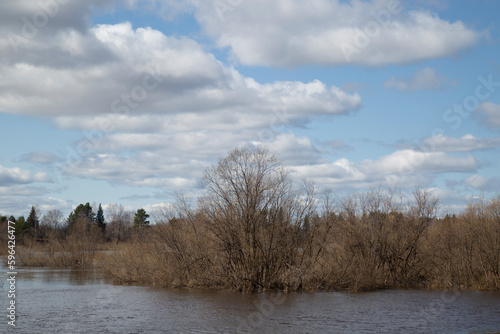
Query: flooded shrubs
pixel 254 229
pixel 74 248
pixel 464 250
pixel 390 244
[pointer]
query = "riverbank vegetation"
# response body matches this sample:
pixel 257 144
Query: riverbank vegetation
pixel 255 229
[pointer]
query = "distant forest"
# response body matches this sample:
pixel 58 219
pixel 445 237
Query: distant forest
pixel 255 229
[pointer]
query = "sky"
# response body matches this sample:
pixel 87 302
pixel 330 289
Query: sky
pixel 128 102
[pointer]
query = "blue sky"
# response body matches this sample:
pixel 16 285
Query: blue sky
pixel 128 102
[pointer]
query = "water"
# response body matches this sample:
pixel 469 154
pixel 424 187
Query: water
pixel 70 301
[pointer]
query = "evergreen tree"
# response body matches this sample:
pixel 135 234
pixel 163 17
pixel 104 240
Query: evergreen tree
pixel 32 223
pixel 20 225
pixel 100 221
pixel 140 219
pixel 81 211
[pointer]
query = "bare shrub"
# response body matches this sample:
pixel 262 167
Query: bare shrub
pixel 256 218
pixel 377 242
pixel 119 224
pixel 76 249
pixel 466 249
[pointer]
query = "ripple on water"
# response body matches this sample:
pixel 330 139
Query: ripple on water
pixel 64 301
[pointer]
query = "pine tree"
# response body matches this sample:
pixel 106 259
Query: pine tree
pixel 33 222
pixel 140 219
pixel 81 211
pixel 100 221
pixel 20 225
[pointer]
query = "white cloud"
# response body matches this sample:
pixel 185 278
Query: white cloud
pixel 13 176
pixel 9 191
pixel 17 200
pixel 409 162
pixel 52 203
pixel 405 168
pixel 176 76
pixel 423 79
pixel 159 109
pixel 295 150
pixel 331 32
pixel 466 143
pixel 480 182
pixel 177 160
pixel 489 113
pixel 148 169
pixel 476 181
pixel 158 118
pixel 42 18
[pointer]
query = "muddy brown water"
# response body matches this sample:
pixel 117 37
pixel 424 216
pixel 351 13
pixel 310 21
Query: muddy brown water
pixel 63 301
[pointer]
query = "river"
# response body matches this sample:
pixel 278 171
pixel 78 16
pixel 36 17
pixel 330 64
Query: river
pixel 64 301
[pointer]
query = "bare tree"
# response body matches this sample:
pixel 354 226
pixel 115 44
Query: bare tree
pixel 119 222
pixel 256 217
pixel 52 219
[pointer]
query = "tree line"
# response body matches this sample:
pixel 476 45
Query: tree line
pixel 40 229
pixel 254 228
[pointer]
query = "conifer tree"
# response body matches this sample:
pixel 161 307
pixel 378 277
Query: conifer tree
pixel 81 211
pixel 33 222
pixel 20 225
pixel 140 219
pixel 100 221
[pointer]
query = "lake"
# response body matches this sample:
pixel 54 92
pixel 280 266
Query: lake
pixel 64 301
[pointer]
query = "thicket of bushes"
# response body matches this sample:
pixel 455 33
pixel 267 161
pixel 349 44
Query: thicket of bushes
pixel 255 230
pixel 59 248
pixel 348 248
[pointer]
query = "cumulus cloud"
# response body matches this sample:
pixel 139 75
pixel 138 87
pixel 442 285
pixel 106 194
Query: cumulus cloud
pixel 13 176
pixel 489 114
pixel 148 169
pixel 295 150
pixel 405 168
pixel 177 160
pixel 157 110
pixel 331 32
pixel 165 114
pixel 409 161
pixel 42 18
pixel 423 79
pixel 175 76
